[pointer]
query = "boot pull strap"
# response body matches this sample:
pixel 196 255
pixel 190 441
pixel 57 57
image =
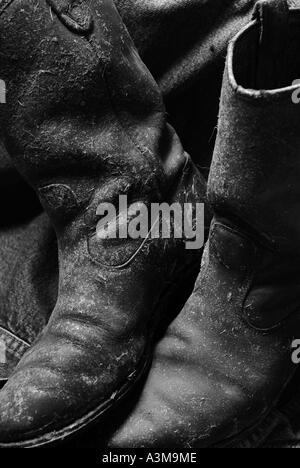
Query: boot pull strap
pixel 74 14
pixel 273 16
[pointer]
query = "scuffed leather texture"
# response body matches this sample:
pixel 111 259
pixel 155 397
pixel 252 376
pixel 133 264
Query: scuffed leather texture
pixel 229 355
pixel 183 43
pixel 84 123
pixel 59 199
pixel 190 79
pixel 197 83
pixel 28 277
pixel 212 375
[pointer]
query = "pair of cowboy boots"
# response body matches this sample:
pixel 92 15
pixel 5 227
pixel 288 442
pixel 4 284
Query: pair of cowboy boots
pixel 84 123
pixel 224 375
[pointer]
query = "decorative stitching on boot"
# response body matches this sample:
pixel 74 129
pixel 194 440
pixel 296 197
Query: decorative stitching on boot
pixel 74 14
pixel 4 4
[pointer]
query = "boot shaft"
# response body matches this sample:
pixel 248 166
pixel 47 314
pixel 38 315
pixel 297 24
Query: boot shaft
pixel 82 109
pixel 256 166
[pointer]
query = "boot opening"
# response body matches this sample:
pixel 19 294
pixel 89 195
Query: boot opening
pixel 268 61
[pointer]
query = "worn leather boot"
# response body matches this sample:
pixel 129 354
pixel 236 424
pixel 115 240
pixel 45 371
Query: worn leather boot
pixel 84 123
pixel 226 362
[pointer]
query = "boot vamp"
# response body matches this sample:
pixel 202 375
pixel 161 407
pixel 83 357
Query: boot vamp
pixel 219 372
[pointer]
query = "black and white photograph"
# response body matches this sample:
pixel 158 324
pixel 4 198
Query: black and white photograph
pixel 149 227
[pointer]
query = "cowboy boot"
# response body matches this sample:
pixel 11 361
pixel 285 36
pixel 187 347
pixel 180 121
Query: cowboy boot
pixel 84 123
pixel 228 358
